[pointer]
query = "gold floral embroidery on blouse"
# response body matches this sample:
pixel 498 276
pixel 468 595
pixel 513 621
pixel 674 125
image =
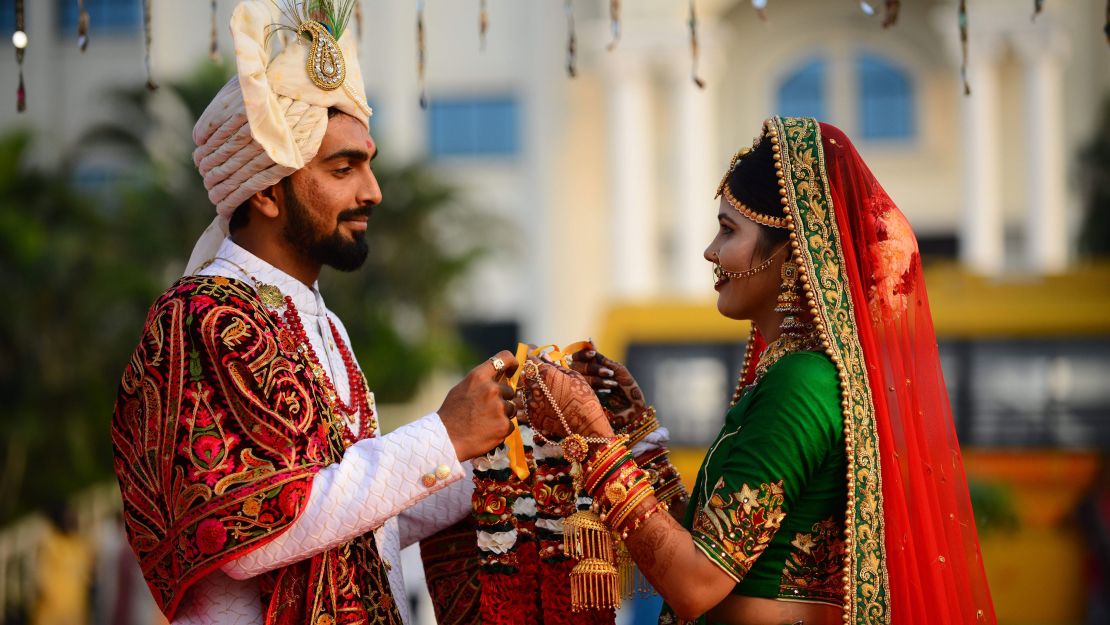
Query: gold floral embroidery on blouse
pixel 814 567
pixel 733 529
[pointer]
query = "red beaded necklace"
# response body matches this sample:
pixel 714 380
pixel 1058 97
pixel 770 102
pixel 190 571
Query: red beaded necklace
pixel 355 381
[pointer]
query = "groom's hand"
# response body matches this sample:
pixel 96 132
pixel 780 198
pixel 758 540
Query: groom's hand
pixel 477 411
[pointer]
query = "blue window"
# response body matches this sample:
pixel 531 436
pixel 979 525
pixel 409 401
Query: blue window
pixel 482 126
pixel 802 92
pixel 7 20
pixel 116 16
pixel 886 109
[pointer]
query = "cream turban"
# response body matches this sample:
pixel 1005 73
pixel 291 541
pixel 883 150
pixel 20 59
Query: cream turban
pixel 268 121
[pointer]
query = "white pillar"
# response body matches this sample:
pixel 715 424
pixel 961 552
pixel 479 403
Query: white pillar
pixel 982 229
pixel 693 176
pixel 634 254
pixel 1043 54
pixel 389 29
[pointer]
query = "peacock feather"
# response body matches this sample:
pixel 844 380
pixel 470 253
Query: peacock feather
pixel 334 15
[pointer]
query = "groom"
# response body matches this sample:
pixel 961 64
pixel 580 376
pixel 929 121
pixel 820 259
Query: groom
pixel 257 486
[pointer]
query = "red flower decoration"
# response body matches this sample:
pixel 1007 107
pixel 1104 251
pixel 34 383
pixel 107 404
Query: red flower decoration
pixel 208 450
pixel 495 504
pixel 291 498
pixel 211 536
pixel 563 493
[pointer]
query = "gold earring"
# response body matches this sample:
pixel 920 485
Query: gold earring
pixel 789 301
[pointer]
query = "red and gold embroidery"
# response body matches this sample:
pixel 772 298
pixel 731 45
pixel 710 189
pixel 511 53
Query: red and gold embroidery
pixel 218 432
pixel 734 529
pixel 814 568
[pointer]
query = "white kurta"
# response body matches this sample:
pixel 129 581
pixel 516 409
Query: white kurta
pixel 378 485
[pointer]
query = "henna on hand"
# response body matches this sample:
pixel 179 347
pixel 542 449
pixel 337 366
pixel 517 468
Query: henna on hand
pixel 575 399
pixel 685 577
pixel 617 390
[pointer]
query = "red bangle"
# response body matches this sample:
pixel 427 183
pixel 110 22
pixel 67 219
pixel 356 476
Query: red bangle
pixel 636 493
pixel 604 470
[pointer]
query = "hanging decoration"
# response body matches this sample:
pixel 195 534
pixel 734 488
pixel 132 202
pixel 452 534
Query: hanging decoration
pixel 148 40
pixel 483 23
pixel 693 23
pixel 614 23
pixel 963 46
pixel 760 7
pixel 421 55
pixel 82 26
pixel 891 12
pixel 572 40
pixel 214 43
pixel 892 9
pixel 1106 28
pixel 19 40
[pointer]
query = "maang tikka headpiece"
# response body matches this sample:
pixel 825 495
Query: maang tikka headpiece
pixel 770 133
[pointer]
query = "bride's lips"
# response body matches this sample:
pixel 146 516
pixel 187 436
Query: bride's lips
pixel 721 278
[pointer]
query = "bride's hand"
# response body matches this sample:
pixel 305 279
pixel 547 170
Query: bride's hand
pixel 574 397
pixel 615 387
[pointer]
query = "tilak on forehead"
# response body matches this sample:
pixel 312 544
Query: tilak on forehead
pixel 294 61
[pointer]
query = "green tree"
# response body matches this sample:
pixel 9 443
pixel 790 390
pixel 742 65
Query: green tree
pixel 61 322
pixel 84 266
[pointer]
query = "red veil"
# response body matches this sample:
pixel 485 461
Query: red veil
pixel 913 556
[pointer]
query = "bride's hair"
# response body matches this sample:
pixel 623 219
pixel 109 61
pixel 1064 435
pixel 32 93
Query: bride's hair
pixel 753 181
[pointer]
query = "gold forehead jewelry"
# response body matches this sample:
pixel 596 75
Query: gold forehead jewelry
pixel 770 134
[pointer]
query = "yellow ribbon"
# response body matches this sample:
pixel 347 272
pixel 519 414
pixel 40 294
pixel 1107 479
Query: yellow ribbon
pixel 514 443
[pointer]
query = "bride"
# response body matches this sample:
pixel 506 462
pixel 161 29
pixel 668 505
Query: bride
pixel 835 492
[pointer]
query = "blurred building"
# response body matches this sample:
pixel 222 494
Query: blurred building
pixel 608 178
pixel 619 164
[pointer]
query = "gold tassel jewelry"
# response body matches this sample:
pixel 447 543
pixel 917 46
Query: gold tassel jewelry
pixel 693 23
pixel 483 23
pixel 421 55
pixel 19 40
pixel 593 584
pixel 963 46
pixel 594 581
pixel 626 570
pixel 585 536
pixel 148 40
pixel 82 26
pixel 214 42
pixel 614 23
pixel 572 40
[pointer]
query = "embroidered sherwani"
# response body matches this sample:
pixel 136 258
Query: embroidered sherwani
pixel 376 495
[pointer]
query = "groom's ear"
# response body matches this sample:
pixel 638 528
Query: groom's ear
pixel 268 202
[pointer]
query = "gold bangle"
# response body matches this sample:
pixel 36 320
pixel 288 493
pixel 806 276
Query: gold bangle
pixel 660 505
pixel 636 495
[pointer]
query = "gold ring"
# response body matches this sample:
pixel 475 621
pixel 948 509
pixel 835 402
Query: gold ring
pixel 531 369
pixel 498 364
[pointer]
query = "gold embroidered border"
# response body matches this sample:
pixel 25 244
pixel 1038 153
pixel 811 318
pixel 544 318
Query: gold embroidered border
pixel 821 256
pixel 734 529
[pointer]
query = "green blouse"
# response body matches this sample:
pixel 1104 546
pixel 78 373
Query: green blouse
pixel 769 501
